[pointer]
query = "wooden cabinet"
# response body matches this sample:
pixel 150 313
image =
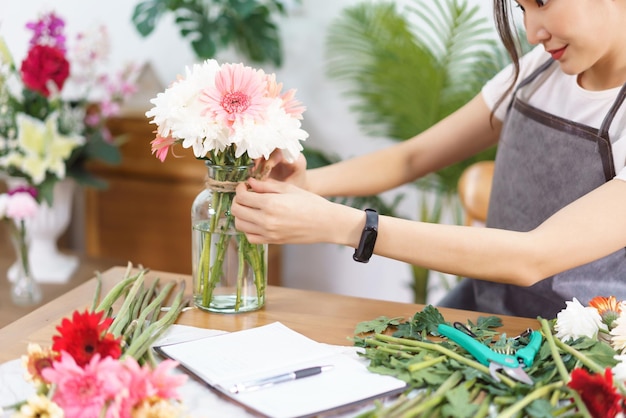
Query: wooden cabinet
pixel 144 216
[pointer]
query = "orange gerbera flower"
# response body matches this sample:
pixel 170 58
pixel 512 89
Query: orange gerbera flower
pixel 609 308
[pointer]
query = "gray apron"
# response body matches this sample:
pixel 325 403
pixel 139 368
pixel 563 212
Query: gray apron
pixel 543 163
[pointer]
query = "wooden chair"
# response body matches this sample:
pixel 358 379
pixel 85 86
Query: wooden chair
pixel 474 188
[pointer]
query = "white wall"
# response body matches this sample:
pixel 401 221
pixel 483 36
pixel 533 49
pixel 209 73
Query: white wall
pixel 330 124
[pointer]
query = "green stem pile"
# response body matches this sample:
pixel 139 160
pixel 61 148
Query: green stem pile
pixel 446 381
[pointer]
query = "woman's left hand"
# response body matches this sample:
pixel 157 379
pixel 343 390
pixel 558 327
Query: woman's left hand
pixel 277 213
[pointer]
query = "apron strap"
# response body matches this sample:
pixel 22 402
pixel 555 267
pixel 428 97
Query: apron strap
pixel 530 79
pixel 606 123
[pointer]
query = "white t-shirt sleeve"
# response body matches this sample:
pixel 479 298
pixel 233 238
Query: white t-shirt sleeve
pixel 494 88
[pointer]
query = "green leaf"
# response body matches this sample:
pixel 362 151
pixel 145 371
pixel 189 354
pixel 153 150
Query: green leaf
pixel 459 403
pixel 46 190
pixel 212 25
pixel 601 353
pixel 541 408
pixel 146 15
pixel 377 325
pixel 428 319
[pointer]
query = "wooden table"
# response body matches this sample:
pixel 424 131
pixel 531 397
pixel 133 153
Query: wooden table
pixel 324 317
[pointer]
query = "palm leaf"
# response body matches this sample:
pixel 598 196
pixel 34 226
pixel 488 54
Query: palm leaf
pixel 407 69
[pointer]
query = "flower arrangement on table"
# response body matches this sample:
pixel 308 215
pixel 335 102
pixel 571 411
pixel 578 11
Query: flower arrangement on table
pixel 55 105
pixel 232 117
pixel 579 370
pixel 101 364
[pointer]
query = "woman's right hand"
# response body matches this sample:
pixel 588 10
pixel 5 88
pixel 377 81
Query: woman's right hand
pixel 278 168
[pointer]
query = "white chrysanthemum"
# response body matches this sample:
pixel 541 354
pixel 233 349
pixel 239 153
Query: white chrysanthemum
pixel 178 113
pixel 577 320
pixel 278 131
pixel 618 333
pixel 288 133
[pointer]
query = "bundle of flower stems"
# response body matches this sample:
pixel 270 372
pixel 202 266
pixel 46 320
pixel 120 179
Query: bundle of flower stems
pixel 141 311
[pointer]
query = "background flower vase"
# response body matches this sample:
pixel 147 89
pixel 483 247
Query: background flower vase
pixel 24 290
pixel 48 264
pixel 230 273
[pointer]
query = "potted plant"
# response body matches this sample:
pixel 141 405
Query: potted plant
pixel 212 25
pixel 406 69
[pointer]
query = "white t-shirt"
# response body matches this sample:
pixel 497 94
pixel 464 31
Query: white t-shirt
pixel 559 94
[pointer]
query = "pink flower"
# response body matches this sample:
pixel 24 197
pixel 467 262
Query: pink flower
pixel 161 146
pixel 293 107
pixel 84 392
pixel 20 206
pixel 239 94
pixel 165 384
pixel 147 384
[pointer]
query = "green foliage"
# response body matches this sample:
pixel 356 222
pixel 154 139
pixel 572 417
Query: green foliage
pixel 212 25
pixel 379 324
pixel 445 380
pixel 408 69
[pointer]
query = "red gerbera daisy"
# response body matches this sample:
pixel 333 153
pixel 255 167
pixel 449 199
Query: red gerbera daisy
pixel 86 335
pixel 598 393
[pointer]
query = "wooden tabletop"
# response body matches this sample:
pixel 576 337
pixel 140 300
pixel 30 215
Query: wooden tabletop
pixel 324 317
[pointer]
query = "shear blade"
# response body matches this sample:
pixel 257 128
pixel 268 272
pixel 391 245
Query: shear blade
pixel 516 373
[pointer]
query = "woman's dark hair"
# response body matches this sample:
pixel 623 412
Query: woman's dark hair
pixel 509 37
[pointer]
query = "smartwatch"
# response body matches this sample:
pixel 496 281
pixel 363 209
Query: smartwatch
pixel 364 251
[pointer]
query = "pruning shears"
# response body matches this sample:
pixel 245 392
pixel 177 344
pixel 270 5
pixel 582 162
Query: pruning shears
pixel 512 364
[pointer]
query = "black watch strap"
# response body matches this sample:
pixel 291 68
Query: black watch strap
pixel 364 251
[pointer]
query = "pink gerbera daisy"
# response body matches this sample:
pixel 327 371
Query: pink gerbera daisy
pixel 292 107
pixel 239 93
pixel 84 392
pixel 161 146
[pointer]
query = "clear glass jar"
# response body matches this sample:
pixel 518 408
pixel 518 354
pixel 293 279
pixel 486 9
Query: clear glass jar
pixel 25 291
pixel 229 273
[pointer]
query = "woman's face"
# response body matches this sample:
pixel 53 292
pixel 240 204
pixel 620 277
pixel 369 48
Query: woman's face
pixel 579 34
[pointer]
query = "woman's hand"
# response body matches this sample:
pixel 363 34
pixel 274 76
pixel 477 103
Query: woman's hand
pixel 277 168
pixel 278 213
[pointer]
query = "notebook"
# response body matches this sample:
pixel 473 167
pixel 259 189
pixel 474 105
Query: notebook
pixel 224 361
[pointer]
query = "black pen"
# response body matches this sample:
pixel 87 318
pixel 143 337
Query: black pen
pixel 274 380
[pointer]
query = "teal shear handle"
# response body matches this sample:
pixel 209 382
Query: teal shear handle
pixel 481 352
pixel 527 353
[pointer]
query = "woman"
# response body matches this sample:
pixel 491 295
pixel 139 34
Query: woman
pixel 557 218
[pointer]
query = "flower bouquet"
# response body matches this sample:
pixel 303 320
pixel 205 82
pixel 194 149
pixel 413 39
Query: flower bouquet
pixel 55 105
pixel 579 370
pixel 231 116
pixel 100 364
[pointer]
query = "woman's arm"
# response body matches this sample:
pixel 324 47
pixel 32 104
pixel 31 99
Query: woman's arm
pixel 457 137
pixel 589 228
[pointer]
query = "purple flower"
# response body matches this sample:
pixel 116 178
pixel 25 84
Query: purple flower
pixel 24 189
pixel 48 30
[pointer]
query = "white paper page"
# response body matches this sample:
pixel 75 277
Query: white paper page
pixel 349 382
pixel 248 354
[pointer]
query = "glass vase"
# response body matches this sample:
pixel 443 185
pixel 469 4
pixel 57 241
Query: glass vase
pixel 229 273
pixel 25 291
